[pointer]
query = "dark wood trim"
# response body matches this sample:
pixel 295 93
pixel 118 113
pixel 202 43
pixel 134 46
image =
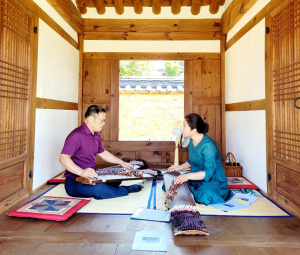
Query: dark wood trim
pixel 33 83
pixel 69 12
pixel 45 103
pixel 247 106
pixel 253 22
pixel 160 36
pixel 49 21
pixel 80 79
pixel 150 56
pixel 269 105
pixel 151 25
pixel 223 117
pixel 235 11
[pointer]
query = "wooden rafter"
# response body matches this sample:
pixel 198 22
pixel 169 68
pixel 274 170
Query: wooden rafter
pixel 155 4
pixel 68 11
pixel 100 6
pixel 235 11
pixel 195 7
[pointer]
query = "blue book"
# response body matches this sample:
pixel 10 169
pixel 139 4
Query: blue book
pixel 152 215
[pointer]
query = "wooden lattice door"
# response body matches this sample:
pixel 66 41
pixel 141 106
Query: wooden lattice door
pixel 14 99
pixel 285 32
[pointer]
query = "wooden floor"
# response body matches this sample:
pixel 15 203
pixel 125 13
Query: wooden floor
pixel 110 234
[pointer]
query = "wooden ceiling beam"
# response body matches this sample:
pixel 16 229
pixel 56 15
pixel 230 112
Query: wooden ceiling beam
pixel 119 6
pixel 100 6
pixel 235 11
pixel 175 6
pixel 154 25
pixel 68 11
pixel 214 6
pixel 153 36
pixel 195 7
pixel 138 6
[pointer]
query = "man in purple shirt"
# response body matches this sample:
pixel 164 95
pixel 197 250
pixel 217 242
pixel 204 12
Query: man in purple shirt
pixel 78 156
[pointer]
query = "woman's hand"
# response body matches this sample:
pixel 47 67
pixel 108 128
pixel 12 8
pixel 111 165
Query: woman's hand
pixel 127 165
pixel 181 179
pixel 173 168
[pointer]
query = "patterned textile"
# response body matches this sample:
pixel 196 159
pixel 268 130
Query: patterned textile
pixel 240 183
pixel 50 208
pixel 60 178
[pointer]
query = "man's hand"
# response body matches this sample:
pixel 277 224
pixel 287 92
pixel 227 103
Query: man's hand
pixel 127 165
pixel 89 173
pixel 181 179
pixel 173 168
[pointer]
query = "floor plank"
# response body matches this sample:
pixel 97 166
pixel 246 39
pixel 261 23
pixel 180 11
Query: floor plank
pixel 18 248
pixel 242 250
pixel 216 250
pixel 268 225
pixel 125 249
pixel 57 249
pixel 96 248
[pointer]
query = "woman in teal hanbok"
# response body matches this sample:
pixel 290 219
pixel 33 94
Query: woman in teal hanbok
pixel 207 179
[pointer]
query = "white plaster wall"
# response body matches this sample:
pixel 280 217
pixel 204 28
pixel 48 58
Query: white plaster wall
pixel 43 4
pixel 245 81
pixel 246 139
pixel 57 78
pixel 247 17
pixel 245 67
pixel 58 66
pixel 151 46
pixel 51 129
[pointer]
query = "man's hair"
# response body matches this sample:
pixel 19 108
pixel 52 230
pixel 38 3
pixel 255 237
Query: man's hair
pixel 93 110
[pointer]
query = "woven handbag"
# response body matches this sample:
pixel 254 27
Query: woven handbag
pixel 232 168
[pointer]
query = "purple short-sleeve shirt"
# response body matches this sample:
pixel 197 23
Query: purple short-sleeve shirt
pixel 83 147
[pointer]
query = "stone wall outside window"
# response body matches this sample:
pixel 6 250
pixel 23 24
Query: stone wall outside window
pixel 145 116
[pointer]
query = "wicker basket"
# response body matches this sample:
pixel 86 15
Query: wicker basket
pixel 232 168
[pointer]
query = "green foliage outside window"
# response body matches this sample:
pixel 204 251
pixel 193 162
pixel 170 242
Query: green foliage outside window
pixel 135 68
pixel 172 69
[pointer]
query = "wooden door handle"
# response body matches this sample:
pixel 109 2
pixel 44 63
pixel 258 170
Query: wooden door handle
pixel 295 103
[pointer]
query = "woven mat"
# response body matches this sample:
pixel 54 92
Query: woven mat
pixel 60 178
pixel 119 205
pixel 262 207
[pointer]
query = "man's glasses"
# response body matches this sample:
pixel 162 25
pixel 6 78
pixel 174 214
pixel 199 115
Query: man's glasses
pixel 102 121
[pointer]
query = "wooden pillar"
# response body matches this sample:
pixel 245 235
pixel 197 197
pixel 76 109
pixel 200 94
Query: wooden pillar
pixel 80 45
pixel 269 104
pixel 223 113
pixel 32 98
